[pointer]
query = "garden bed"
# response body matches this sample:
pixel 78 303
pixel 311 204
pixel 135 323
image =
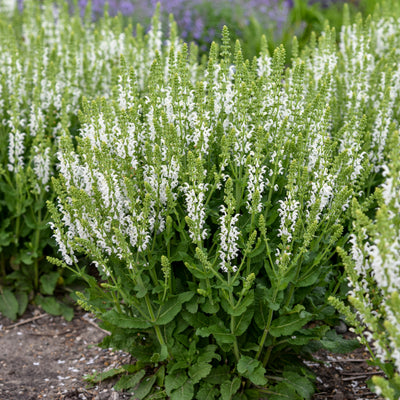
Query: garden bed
pixel 43 356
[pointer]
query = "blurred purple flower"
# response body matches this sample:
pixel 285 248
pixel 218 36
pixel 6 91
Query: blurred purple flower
pixel 200 20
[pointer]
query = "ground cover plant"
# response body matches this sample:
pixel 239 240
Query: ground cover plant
pixel 212 204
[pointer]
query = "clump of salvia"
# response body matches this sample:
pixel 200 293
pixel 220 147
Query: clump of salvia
pixel 212 198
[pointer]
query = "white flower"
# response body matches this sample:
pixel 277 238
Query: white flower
pixel 228 238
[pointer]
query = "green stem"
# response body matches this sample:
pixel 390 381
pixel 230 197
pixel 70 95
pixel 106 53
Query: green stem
pixel 156 327
pixel 3 265
pixel 35 249
pixel 267 327
pixel 17 227
pixel 235 344
pixel 268 353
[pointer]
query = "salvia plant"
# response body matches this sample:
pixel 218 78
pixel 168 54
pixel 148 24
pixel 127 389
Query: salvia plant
pixel 211 203
pixel 372 258
pixel 373 269
pixel 49 60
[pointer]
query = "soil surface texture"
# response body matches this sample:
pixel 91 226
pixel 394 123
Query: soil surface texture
pixel 45 357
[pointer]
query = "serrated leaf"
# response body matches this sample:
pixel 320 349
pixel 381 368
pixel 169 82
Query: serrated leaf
pixel 208 354
pixel 229 388
pixel 288 324
pixel 199 371
pixel 207 392
pixel 300 384
pixel 252 369
pixel 185 392
pixel 283 391
pixel 221 334
pixel 9 304
pixel 125 321
pixel 177 365
pixel 174 381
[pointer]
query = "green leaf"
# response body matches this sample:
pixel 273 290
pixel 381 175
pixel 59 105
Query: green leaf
pixel 130 381
pixel 198 320
pixel 102 376
pixel 192 306
pixel 175 381
pixel 199 371
pixel 49 282
pixel 9 304
pixel 207 392
pixel 220 374
pixel 241 308
pixel 198 272
pixel 300 384
pixel 242 322
pixel 125 321
pixel 185 392
pixel 210 308
pixel 288 324
pixel 283 391
pixel 229 388
pixel 49 304
pixel 144 387
pixel 67 312
pixel 176 365
pixel 208 353
pixel 309 279
pixel 337 344
pixel 252 369
pixel 221 334
pixel 172 307
pixel 23 301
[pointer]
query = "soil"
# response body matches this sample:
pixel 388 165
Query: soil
pixel 45 357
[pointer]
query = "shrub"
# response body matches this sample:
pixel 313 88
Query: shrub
pixel 211 205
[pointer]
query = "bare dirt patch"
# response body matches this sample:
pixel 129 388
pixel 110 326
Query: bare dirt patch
pixel 46 357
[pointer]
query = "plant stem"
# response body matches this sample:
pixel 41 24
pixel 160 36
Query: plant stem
pixel 235 344
pixel 267 327
pixel 35 249
pixel 3 265
pixel 268 353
